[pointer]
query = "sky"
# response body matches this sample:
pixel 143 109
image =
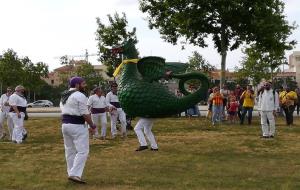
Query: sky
pixel 45 30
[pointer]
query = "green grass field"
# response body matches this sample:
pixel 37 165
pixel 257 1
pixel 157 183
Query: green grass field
pixel 192 155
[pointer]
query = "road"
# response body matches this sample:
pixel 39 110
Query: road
pixel 55 112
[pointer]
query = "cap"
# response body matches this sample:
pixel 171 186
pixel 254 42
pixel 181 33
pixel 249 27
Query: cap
pixel 75 80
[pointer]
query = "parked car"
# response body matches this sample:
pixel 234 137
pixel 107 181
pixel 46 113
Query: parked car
pixel 40 103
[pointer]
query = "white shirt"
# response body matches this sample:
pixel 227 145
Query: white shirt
pixel 16 100
pixel 266 101
pixel 111 97
pixel 4 98
pixel 97 102
pixel 75 105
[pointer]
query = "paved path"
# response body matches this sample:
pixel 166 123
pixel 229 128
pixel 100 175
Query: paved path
pixel 55 112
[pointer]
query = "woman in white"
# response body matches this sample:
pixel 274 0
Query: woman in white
pixel 18 104
pixel 98 107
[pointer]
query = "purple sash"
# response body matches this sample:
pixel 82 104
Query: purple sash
pixel 20 108
pixel 97 110
pixel 72 119
pixel 116 104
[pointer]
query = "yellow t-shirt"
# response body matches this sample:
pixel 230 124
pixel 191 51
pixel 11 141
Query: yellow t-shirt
pixel 248 99
pixel 288 98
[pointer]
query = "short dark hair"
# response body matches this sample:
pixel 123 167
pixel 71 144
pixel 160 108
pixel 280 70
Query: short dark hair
pixel 114 84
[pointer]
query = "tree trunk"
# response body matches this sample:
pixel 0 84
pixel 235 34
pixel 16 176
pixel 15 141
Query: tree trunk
pixel 223 59
pixel 223 68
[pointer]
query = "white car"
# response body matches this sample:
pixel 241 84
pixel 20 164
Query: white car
pixel 40 103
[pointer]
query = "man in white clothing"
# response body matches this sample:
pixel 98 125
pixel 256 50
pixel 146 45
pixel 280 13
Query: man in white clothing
pixel 4 110
pixel 75 113
pixel 116 111
pixel 17 112
pixel 268 104
pixel 145 125
pixel 98 106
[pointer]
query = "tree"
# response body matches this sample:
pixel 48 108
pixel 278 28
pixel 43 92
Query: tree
pixel 229 22
pixel 258 65
pixel 198 63
pixel 32 75
pixel 15 71
pixel 11 69
pixel 91 76
pixel 111 40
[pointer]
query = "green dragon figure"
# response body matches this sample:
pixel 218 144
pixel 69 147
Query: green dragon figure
pixel 141 94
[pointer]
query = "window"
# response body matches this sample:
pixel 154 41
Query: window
pixel 297 58
pixel 52 81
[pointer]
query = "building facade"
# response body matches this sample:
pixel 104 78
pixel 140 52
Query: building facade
pixel 294 65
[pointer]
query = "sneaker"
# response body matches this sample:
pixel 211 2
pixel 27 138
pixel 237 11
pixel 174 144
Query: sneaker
pixel 154 149
pixel 24 137
pixel 271 136
pixel 102 138
pixel 141 148
pixel 76 179
pixel 265 137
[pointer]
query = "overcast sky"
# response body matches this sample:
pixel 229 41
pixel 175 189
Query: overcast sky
pixel 45 29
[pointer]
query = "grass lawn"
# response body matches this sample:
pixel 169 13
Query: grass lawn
pixel 192 155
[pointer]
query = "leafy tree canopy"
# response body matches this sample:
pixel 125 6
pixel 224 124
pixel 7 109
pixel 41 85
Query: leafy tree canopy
pixel 198 63
pixel 91 76
pixel 258 65
pixel 229 22
pixel 15 71
pixel 112 38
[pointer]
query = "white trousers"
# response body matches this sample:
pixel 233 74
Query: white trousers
pixel 145 124
pixel 267 130
pixel 100 119
pixel 18 127
pixel 114 115
pixel 76 141
pixel 3 116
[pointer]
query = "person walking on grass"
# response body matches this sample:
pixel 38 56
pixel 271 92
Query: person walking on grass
pixel 268 104
pixel 248 104
pixel 75 113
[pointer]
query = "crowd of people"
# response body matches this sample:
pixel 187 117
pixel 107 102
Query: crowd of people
pixel 234 105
